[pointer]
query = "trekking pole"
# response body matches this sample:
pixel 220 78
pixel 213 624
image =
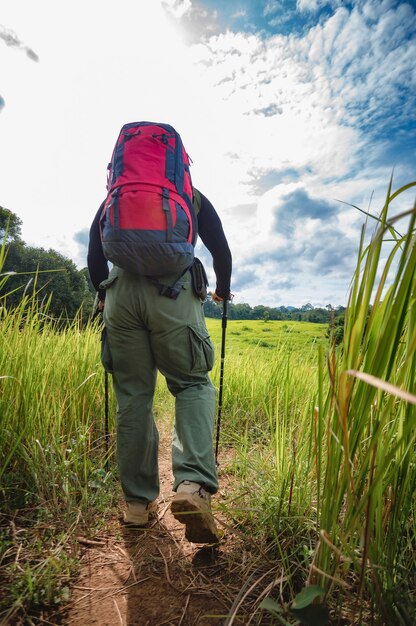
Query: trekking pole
pixel 106 430
pixel 224 328
pixel 95 312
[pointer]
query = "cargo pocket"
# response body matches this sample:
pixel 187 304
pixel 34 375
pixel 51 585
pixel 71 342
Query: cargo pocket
pixel 106 359
pixel 202 350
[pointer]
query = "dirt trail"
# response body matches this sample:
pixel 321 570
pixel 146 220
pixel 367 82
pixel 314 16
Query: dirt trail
pixel 154 577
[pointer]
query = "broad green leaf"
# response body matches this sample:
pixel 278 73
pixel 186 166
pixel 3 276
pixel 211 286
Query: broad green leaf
pixel 307 596
pixel 271 605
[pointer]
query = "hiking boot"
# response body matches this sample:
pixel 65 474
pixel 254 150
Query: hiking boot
pixel 191 506
pixel 138 513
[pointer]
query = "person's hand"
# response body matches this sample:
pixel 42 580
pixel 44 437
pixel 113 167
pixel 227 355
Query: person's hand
pixel 217 298
pixel 100 305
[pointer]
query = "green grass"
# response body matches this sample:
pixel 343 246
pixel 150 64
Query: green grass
pixel 244 335
pixel 52 474
pixel 53 458
pixel 326 446
pixel 367 416
pixel 320 450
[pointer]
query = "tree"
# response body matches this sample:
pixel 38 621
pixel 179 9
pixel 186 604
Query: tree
pixel 45 272
pixel 211 308
pixel 307 307
pixel 11 224
pixel 241 311
pixel 336 329
pixel 258 312
pixel 86 275
pixel 40 272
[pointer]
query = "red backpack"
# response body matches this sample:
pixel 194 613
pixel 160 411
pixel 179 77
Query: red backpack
pixel 148 223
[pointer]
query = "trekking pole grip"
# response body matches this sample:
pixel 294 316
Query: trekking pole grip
pixel 224 328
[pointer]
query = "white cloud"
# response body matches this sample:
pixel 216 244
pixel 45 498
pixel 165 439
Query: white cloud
pixel 262 119
pixel 366 63
pixel 178 8
pixel 312 6
pixel 11 39
pixel 272 6
pixel 240 13
pixel 307 130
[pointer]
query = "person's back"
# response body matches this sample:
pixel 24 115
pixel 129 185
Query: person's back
pixel 149 327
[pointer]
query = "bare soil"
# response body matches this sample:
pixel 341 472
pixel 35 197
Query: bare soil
pixel 155 577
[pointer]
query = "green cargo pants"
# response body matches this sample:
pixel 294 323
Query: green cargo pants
pixel 147 332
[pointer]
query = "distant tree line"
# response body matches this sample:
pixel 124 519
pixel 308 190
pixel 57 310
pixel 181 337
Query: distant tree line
pixel 305 313
pixel 40 273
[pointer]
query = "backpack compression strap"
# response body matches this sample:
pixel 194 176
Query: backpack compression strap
pixel 173 291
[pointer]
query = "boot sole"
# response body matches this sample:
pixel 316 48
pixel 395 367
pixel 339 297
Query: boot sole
pixel 199 523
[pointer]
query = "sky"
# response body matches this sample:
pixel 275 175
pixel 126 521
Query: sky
pixel 291 111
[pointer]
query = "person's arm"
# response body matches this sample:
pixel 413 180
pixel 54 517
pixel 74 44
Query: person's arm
pixel 96 261
pixel 212 235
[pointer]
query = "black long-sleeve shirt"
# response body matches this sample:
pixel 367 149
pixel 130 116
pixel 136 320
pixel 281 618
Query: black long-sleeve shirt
pixel 210 231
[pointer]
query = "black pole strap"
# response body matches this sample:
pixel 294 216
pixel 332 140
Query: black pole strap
pixel 224 328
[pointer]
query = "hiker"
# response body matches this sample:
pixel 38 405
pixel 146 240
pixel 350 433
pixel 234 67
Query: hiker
pixel 157 323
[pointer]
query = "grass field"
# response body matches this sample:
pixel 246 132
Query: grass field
pixel 248 334
pixel 322 440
